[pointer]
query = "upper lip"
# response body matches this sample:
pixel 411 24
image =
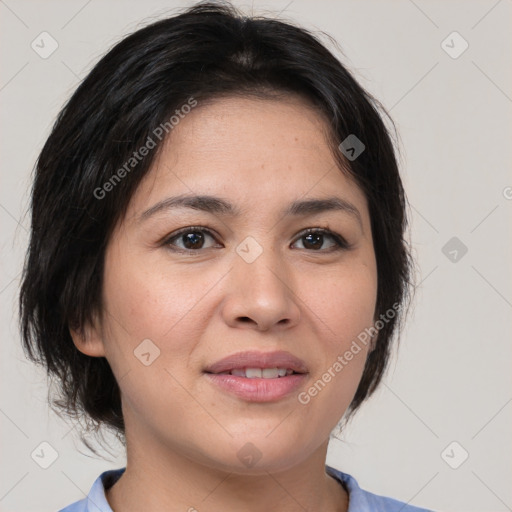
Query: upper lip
pixel 254 359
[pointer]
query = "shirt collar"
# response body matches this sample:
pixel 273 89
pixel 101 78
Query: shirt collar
pixel 96 500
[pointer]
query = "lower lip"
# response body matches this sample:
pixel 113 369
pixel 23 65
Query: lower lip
pixel 258 389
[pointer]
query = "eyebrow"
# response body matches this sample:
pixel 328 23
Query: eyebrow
pixel 219 206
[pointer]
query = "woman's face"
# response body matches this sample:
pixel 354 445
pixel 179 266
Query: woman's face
pixel 187 287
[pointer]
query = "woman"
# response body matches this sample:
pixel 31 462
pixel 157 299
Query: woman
pixel 217 266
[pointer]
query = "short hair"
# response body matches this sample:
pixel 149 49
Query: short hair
pixel 207 51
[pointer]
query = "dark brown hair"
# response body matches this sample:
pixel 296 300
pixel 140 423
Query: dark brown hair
pixel 209 50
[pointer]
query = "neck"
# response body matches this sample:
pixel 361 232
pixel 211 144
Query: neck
pixel 162 479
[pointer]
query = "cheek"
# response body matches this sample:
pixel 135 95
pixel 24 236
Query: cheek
pixel 342 307
pixel 152 301
pixel 156 302
pixel 343 302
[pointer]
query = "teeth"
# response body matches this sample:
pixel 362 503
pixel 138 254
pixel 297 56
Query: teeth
pixel 270 373
pixel 252 373
pixel 259 373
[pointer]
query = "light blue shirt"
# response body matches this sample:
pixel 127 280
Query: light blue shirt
pixel 359 500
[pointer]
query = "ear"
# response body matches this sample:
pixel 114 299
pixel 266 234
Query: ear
pixel 88 339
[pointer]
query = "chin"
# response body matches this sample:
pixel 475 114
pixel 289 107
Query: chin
pixel 252 454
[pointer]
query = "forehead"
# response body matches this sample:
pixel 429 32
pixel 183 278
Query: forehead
pixel 256 131
pixel 261 151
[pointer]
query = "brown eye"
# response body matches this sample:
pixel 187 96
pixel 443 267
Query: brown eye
pixel 193 240
pixel 189 239
pixel 314 239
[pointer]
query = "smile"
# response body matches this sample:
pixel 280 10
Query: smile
pixel 261 373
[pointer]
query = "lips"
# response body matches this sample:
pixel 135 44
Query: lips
pixel 258 360
pixel 258 376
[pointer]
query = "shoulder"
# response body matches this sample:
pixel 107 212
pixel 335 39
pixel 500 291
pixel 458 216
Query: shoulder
pixel 96 500
pixel 364 501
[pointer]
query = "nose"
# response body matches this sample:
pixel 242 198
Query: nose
pixel 260 295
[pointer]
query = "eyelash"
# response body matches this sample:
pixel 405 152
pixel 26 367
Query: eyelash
pixel 341 243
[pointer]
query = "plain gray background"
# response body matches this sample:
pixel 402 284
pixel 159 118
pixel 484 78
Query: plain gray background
pixel 451 381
